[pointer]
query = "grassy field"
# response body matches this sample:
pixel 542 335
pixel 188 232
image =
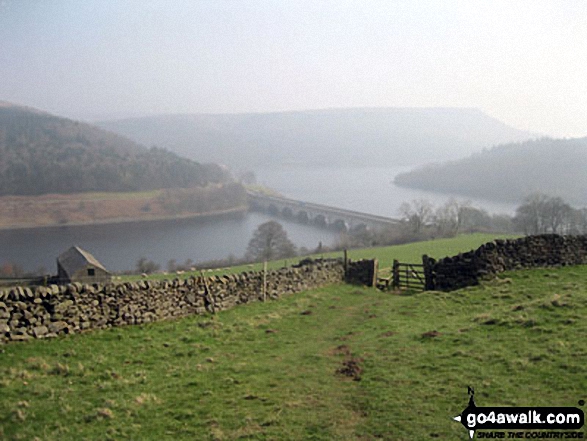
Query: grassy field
pixel 339 363
pixel 109 207
pixel 409 253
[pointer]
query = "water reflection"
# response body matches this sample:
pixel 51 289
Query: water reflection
pixel 119 246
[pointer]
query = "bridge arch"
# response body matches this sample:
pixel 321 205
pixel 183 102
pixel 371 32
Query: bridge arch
pixel 320 220
pixel 287 212
pixel 340 225
pixel 303 217
pixel 273 210
pixel 360 228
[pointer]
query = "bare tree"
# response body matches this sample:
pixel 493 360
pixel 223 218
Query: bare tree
pixel 172 265
pixel 476 219
pixel 540 214
pixel 557 214
pixel 451 217
pixel 270 241
pixel 417 213
pixel 577 221
pixel 530 215
pixel 145 266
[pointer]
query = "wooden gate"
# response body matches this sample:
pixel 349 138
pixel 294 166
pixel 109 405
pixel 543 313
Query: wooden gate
pixel 414 276
pixel 408 276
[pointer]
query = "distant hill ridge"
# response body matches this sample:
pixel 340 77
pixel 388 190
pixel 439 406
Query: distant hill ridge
pixel 508 173
pixel 41 153
pixel 357 136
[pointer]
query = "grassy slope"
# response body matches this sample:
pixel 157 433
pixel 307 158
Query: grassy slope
pixel 101 207
pixel 518 340
pixel 411 253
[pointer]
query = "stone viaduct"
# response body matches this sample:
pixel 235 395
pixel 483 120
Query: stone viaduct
pixel 323 215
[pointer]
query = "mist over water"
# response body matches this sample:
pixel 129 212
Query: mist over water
pixel 119 246
pixel 365 189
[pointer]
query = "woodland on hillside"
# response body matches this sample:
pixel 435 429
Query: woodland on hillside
pixel 511 172
pixel 41 153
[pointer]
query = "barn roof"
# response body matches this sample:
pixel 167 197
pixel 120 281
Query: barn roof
pixel 75 258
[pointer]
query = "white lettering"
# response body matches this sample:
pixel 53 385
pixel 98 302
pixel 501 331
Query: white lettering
pixel 512 418
pixel 536 418
pixel 471 420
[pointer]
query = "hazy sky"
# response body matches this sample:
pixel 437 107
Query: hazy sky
pixel 523 62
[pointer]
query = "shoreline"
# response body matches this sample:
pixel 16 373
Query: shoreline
pixel 237 210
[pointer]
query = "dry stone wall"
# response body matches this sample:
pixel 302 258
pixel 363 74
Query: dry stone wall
pixel 44 312
pixel 469 268
pixel 362 272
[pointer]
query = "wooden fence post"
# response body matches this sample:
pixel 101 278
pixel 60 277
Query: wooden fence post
pixel 346 265
pixel 264 281
pixel 375 270
pixel 396 278
pixel 429 281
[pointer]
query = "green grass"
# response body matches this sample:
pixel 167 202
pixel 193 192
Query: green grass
pixel 437 248
pixel 408 253
pixel 267 371
pixel 123 195
pixel 262 189
pixel 112 195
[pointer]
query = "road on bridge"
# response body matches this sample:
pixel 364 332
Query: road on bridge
pixel 311 211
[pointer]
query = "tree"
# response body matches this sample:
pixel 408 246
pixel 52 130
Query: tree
pixel 578 221
pixel 451 216
pixel 248 178
pixel 540 213
pixel 270 241
pixel 172 265
pixel 417 213
pixel 557 215
pixel 476 219
pixel 145 266
pixel 10 269
pixel 530 215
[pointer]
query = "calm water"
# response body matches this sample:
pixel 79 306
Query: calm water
pixel 366 189
pixel 119 246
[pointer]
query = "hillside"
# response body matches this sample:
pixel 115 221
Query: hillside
pixel 508 173
pixel 398 136
pixel 41 153
pixel 91 208
pixel 341 362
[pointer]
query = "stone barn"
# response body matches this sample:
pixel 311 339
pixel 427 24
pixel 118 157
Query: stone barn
pixel 77 265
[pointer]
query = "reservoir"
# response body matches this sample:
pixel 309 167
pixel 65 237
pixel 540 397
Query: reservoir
pixel 119 246
pixel 365 189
